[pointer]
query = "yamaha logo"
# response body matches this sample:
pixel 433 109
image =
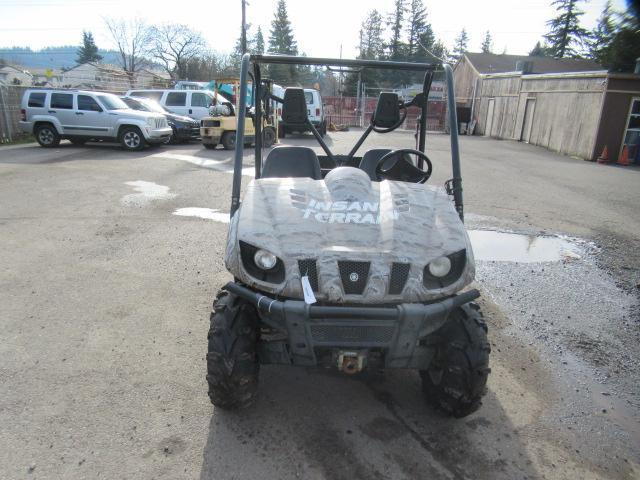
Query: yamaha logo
pixel 353 276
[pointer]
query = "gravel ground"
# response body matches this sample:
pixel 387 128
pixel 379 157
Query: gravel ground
pixel 106 295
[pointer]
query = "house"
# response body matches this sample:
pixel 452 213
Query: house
pixel 579 110
pixel 46 77
pixel 10 75
pixel 96 76
pixel 147 78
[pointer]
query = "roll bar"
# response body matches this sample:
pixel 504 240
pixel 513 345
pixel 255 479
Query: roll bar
pixel 454 186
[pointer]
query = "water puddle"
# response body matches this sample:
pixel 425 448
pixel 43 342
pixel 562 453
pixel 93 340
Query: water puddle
pixel 489 245
pixel 207 213
pixel 147 192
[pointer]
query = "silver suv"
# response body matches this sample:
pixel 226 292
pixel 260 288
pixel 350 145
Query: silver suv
pixel 80 116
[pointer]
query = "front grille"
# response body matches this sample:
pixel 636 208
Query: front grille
pixel 338 334
pixel 399 274
pixel 308 267
pixel 161 122
pixel 354 276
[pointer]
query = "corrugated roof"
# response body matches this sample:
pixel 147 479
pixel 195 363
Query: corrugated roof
pixel 493 63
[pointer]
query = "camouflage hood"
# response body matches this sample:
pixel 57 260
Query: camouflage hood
pixel 344 228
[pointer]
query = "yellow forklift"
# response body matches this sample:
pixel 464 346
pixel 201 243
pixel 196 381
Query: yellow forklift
pixel 220 127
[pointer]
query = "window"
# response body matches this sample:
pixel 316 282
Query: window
pixel 147 94
pixel 199 99
pixel 36 99
pixel 111 102
pixel 309 97
pixel 85 102
pixel 62 100
pixel 176 99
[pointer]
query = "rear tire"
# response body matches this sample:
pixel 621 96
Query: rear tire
pixel 47 136
pixel 232 362
pixel 456 379
pixel 268 137
pixel 229 140
pixel 210 146
pixel 131 139
pixel 323 129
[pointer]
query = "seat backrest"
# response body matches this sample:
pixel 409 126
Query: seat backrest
pixel 294 106
pixel 370 161
pixel 292 162
pixel 387 112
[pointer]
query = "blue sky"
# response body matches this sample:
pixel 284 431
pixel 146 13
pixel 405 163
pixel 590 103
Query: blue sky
pixel 320 28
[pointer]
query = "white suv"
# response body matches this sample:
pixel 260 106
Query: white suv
pixel 79 116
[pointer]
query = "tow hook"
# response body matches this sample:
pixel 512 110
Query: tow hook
pixel 351 362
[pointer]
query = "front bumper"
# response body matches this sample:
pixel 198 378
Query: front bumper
pixel 188 132
pixel 396 331
pixel 158 135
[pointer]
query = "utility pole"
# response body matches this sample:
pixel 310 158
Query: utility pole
pixel 243 35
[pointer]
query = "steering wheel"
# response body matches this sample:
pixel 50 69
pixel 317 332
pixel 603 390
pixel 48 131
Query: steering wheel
pixel 401 169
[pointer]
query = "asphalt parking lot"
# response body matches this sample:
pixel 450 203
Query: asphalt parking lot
pixel 110 261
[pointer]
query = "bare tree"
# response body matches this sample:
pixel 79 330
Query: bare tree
pixel 133 39
pixel 174 45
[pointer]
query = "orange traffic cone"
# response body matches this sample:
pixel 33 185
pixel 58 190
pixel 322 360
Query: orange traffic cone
pixel 604 156
pixel 624 156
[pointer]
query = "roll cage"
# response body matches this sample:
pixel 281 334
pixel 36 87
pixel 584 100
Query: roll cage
pixel 331 160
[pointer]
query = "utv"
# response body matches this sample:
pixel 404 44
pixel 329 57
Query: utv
pixel 348 261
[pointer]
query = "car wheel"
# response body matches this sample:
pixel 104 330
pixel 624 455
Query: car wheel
pixel 456 379
pixel 131 138
pixel 47 136
pixel 229 140
pixel 232 360
pixel 268 137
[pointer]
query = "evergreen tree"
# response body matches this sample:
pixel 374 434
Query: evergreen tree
pixel 258 42
pixel 371 43
pixel 601 37
pixel 540 50
pixel 419 32
pixel 396 46
pixel 88 52
pixel 371 47
pixel 440 51
pixel 460 45
pixel 566 34
pixel 487 43
pixel 281 41
pixel 624 48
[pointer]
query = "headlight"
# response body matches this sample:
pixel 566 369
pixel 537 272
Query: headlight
pixel 440 267
pixel 151 121
pixel 265 260
pixel 444 271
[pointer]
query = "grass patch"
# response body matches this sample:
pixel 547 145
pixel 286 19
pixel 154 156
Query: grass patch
pixel 17 140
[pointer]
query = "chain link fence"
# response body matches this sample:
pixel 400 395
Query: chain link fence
pixel 343 111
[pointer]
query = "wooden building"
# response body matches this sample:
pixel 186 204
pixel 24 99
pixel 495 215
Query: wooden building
pixel 577 113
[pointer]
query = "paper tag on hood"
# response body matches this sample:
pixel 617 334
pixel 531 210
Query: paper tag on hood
pixel 309 297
